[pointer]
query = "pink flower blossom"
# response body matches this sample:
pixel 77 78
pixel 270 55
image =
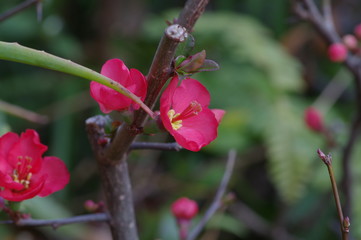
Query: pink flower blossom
pixel 24 173
pixel 109 99
pixel 184 209
pixel 185 114
pixel 313 119
pixel 337 52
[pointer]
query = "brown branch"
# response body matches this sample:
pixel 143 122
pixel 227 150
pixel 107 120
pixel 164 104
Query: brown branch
pixel 55 223
pixel 112 157
pixel 217 201
pixel 17 9
pixel 307 10
pixel 156 146
pixel 327 159
pixel 116 183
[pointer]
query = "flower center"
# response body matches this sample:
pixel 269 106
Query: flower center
pixel 176 119
pixel 21 173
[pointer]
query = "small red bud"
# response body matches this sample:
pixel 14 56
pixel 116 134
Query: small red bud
pixel 357 31
pixel 91 206
pixel 350 41
pixel 337 52
pixel 184 208
pixel 313 119
pixel 103 141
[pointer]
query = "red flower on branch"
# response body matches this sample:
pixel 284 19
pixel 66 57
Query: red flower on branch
pixel 185 114
pixel 109 99
pixel 24 173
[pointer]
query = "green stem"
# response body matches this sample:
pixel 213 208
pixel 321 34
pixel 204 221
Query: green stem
pixel 17 53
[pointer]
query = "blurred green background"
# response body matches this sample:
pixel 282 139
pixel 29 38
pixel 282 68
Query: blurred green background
pixel 273 66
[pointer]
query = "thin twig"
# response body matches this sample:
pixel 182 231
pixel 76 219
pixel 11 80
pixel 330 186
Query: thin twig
pixel 353 62
pixel 55 223
pixel 9 13
pixel 156 146
pixel 327 159
pixel 217 201
pixel 23 113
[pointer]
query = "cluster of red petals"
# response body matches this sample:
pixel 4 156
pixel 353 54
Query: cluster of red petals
pixel 185 114
pixel 109 99
pixel 24 173
pixel 313 119
pixel 184 209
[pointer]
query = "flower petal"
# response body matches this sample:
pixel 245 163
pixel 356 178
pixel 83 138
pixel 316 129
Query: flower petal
pixel 10 195
pixel 109 99
pixel 57 175
pixel 7 141
pixel 139 85
pixel 115 69
pixel 218 113
pixel 28 146
pixel 197 131
pixel 188 91
pixel 6 181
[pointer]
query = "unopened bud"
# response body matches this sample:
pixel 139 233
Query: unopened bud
pixel 350 42
pixel 193 63
pixel 184 209
pixel 313 119
pixel 327 159
pixel 337 52
pixel 91 206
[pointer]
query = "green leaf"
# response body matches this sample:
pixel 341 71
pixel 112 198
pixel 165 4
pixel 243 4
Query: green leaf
pixel 208 66
pixel 17 53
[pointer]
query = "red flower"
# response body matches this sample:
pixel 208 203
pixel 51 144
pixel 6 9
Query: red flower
pixel 313 119
pixel 184 208
pixel 24 173
pixel 109 99
pixel 185 114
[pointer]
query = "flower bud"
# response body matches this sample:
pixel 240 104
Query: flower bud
pixel 357 31
pixel 337 52
pixel 91 206
pixel 193 63
pixel 350 41
pixel 313 119
pixel 184 209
